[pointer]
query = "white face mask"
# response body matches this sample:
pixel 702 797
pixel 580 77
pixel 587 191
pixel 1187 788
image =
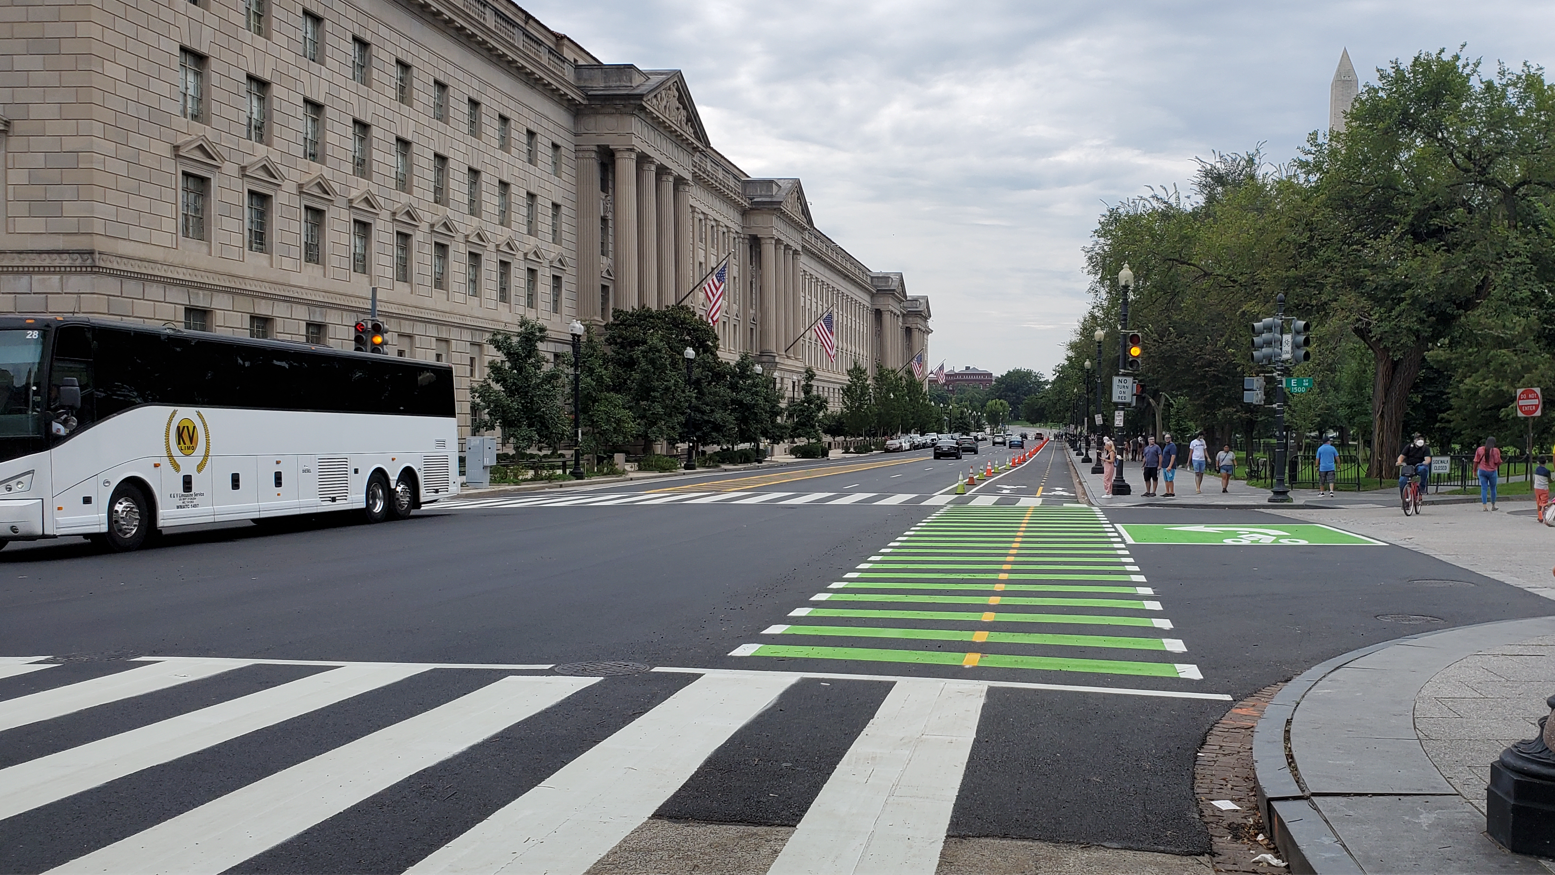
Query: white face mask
pixel 1419 442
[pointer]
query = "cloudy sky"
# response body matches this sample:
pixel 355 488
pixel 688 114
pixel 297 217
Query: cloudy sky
pixel 971 144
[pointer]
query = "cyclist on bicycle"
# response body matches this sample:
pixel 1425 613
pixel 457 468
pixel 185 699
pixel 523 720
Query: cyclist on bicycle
pixel 1415 460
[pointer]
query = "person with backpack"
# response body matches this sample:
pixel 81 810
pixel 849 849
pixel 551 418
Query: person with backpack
pixel 1487 464
pixel 1541 493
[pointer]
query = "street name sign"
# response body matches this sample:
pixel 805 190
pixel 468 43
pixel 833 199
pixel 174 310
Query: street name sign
pixel 1530 402
pixel 1297 385
pixel 1122 390
pixel 1254 534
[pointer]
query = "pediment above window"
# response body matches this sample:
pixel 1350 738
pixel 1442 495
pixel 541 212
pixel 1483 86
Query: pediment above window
pixel 409 215
pixel 511 247
pixel 479 238
pixel 366 201
pixel 263 170
pixel 201 151
pixel 446 227
pixel 319 186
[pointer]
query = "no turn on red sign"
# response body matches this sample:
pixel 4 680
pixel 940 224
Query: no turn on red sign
pixel 1530 402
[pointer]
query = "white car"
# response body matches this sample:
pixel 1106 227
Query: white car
pixel 896 445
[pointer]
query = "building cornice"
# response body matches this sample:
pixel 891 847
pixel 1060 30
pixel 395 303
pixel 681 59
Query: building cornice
pixel 499 34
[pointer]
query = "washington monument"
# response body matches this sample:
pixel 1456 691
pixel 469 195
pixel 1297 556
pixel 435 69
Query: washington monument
pixel 1342 92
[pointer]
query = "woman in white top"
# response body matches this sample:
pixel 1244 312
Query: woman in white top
pixel 1226 462
pixel 1109 461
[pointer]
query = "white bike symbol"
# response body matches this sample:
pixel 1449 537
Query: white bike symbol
pixel 1245 534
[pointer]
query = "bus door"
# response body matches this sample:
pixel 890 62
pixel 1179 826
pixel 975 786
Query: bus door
pixel 278 493
pixel 188 471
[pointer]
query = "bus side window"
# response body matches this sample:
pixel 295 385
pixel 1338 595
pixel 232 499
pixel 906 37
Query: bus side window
pixel 72 358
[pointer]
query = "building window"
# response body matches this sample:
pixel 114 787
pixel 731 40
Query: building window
pixel 440 101
pixel 402 257
pixel 475 118
pixel 604 237
pixel 197 319
pixel 361 60
pixel 312 36
pixel 556 159
pixel 604 299
pixel 473 192
pixel 531 206
pixel 504 133
pixel 402 82
pixel 556 293
pixel 312 131
pixel 258 222
pixel 313 332
pixel 258 109
pixel 531 144
pixel 361 240
pixel 402 165
pixel 361 147
pixel 531 279
pixel 504 204
pixel 254 16
pixel 440 179
pixel 259 327
pixel 556 222
pixel 191 71
pixel 472 276
pixel 440 266
pixel 191 210
pixel 504 281
pixel 313 235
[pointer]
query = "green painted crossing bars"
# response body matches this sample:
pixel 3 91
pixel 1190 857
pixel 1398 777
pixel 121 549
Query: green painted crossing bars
pixel 991 587
pixel 1128 604
pixel 1116 642
pixel 987 660
pixel 983 617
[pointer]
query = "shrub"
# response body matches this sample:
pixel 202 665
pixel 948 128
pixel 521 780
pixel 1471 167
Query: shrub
pixel 809 451
pixel 658 463
pixel 861 447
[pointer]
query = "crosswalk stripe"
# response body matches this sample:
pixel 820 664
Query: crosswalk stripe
pixel 806 497
pixel 587 499
pixel 983 500
pixel 709 499
pixel 100 691
pixel 666 499
pixel 1029 502
pixel 762 496
pixel 223 833
pixel 897 499
pixel 38 782
pixel 886 807
pixel 626 499
pixel 855 497
pixel 939 500
pixel 14 666
pixel 586 808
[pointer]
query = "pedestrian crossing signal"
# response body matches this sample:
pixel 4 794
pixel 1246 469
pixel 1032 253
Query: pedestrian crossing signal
pixel 1133 351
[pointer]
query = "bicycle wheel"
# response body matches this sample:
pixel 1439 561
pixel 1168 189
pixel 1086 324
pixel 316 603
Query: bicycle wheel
pixel 1416 491
pixel 1406 501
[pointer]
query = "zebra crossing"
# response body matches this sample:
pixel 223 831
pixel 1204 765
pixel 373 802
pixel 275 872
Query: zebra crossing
pixel 885 806
pixel 874 499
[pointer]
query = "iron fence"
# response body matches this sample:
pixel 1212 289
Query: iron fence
pixel 1350 474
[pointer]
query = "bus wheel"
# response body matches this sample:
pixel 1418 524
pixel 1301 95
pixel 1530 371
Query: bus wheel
pixel 129 519
pixel 404 498
pixel 377 498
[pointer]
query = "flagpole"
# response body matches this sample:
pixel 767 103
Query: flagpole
pixel 909 362
pixel 806 331
pixel 705 276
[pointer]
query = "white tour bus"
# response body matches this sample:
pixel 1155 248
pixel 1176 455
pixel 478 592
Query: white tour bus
pixel 115 431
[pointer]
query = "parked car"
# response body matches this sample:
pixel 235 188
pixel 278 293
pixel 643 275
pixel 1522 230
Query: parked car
pixel 897 444
pixel 981 435
pixel 947 449
pixel 1001 439
pixel 968 444
pixel 1017 443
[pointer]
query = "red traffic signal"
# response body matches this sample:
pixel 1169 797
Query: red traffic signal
pixel 361 343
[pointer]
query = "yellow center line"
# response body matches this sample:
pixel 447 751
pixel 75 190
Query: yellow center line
pixel 980 636
pixel 994 599
pixel 738 484
pixel 971 659
pixel 998 586
pixel 988 617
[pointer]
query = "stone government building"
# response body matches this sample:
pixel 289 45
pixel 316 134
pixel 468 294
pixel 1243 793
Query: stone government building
pixel 258 166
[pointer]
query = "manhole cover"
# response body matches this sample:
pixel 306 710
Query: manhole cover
pixel 605 668
pixel 1433 582
pixel 1410 619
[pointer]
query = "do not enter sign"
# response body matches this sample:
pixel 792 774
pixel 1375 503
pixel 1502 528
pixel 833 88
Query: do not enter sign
pixel 1530 402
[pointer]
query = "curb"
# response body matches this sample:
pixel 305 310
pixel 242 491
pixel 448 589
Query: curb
pixel 508 488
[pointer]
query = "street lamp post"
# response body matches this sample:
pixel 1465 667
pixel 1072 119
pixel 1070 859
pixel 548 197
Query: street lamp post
pixel 691 459
pixel 1125 283
pixel 576 329
pixel 1101 428
pixel 1087 456
pixel 758 437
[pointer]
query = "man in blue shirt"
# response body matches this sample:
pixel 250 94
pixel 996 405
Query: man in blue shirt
pixel 1152 461
pixel 1169 467
pixel 1327 467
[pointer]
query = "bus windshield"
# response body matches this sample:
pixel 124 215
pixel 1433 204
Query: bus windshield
pixel 21 400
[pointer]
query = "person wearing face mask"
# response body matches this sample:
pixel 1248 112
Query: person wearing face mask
pixel 1415 460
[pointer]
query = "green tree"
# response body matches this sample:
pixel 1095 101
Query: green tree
pixel 710 418
pixel 1016 385
pixel 997 411
pixel 858 406
pixel 607 423
pixel 648 366
pixel 521 397
pixel 757 406
pixel 890 407
pixel 804 413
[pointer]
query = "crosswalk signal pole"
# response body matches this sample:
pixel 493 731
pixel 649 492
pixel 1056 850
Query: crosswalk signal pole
pixel 1281 492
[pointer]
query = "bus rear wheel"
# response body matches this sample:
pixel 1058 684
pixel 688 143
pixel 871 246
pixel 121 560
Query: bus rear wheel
pixel 404 498
pixel 378 499
pixel 129 519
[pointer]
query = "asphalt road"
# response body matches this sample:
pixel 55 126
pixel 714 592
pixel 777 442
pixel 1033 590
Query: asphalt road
pixel 1088 732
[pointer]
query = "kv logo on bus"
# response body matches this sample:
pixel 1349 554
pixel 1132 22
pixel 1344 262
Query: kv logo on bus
pixel 186 437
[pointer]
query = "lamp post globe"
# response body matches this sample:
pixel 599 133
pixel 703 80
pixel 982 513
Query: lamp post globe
pixel 576 330
pixel 691 459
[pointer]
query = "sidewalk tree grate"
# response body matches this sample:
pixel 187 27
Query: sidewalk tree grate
pixel 604 668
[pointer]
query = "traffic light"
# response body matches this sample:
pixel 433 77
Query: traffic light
pixel 1252 390
pixel 1132 351
pixel 377 339
pixel 1299 342
pixel 363 341
pixel 1266 341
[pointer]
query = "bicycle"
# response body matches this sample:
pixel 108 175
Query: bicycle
pixel 1409 493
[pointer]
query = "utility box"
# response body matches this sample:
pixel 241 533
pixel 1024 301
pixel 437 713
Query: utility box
pixel 480 453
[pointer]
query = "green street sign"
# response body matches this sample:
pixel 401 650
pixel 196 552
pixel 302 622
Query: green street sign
pixel 1297 385
pixel 1253 534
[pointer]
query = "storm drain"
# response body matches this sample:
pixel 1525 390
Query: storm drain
pixel 605 668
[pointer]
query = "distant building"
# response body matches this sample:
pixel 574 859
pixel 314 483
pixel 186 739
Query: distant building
pixel 975 378
pixel 1341 92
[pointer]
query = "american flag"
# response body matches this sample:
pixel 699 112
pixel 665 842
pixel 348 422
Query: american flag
pixel 917 366
pixel 823 330
pixel 713 291
pixel 939 374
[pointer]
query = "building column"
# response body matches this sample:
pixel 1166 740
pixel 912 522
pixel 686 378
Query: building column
pixel 768 327
pixel 587 255
pixel 685 247
pixel 785 317
pixel 647 233
pixel 665 229
pixel 795 298
pixel 625 253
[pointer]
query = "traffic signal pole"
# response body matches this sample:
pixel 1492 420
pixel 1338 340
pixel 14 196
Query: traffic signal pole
pixel 1281 491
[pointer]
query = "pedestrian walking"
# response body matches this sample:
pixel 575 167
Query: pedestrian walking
pixel 1109 462
pixel 1327 467
pixel 1226 462
pixel 1198 456
pixel 1541 493
pixel 1487 463
pixel 1169 466
pixel 1151 456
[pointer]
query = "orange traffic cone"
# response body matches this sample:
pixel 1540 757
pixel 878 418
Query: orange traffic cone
pixel 987 469
pixel 971 478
